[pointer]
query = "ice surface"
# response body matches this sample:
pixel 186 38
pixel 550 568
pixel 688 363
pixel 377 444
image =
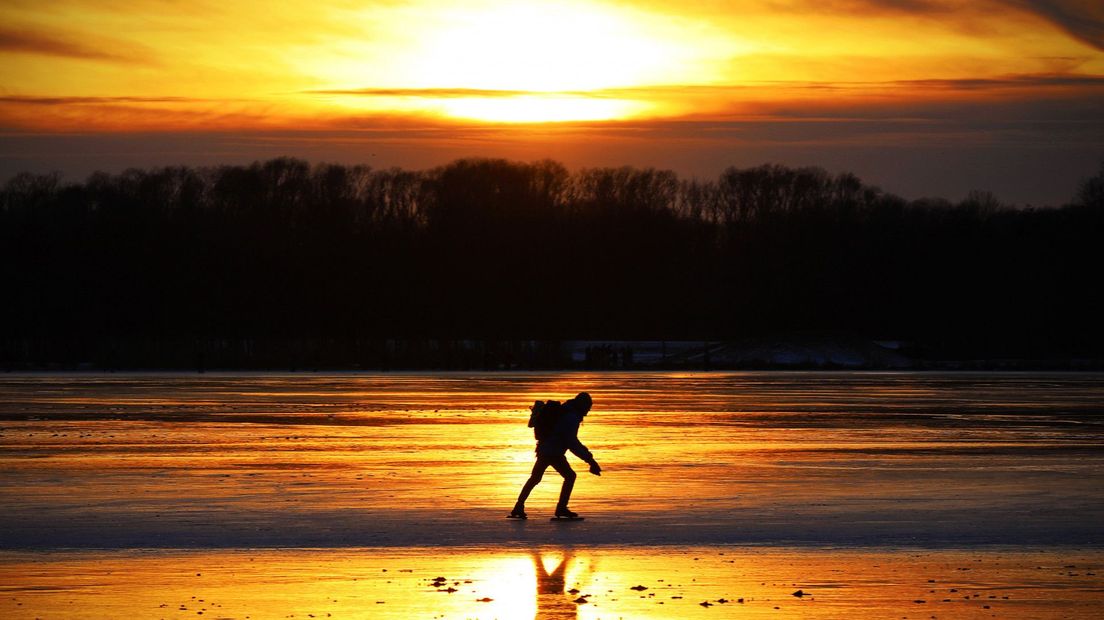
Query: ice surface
pixel 350 460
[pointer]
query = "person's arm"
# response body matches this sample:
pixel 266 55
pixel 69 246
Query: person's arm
pixel 578 449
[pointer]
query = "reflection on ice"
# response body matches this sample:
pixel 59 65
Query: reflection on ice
pixel 553 600
pixel 552 583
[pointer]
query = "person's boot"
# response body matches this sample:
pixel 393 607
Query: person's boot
pixel 563 513
pixel 517 513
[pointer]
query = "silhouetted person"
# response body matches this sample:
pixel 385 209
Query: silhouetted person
pixel 553 452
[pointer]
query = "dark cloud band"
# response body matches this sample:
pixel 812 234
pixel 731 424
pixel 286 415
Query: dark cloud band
pixel 51 44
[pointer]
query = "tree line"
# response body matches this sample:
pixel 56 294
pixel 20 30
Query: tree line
pixel 284 251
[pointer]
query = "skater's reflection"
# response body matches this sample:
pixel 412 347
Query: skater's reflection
pixel 553 601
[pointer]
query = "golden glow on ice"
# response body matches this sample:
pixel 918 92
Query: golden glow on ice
pixel 497 583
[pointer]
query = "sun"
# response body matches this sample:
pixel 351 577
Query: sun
pixel 542 47
pixel 532 62
pixel 558 53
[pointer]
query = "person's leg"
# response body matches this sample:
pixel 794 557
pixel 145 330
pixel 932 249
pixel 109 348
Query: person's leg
pixel 532 482
pixel 561 465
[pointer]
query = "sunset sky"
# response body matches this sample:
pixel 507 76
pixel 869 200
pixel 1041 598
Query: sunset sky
pixel 921 97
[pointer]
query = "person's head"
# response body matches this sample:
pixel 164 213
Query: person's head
pixel 584 402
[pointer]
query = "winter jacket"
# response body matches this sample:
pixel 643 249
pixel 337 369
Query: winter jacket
pixel 565 435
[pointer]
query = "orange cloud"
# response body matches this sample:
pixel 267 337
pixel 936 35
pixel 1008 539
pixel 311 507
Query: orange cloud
pixel 30 41
pixel 1083 19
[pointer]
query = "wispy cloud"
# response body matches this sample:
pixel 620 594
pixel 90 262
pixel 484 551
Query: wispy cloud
pixel 1003 82
pixel 1010 81
pixel 867 7
pixel 50 101
pixel 1083 19
pixel 1048 80
pixel 30 41
pixel 428 93
pixel 126 113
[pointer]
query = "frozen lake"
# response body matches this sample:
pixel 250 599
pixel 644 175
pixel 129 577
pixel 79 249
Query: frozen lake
pixel 400 460
pixel 383 496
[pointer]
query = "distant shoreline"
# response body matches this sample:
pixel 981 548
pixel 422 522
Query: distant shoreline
pixel 814 352
pixel 492 264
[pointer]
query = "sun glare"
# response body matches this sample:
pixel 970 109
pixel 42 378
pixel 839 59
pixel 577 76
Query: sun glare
pixel 530 62
pixel 542 47
pixel 548 49
pixel 540 108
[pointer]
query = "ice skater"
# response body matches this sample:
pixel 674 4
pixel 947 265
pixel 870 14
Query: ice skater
pixel 556 428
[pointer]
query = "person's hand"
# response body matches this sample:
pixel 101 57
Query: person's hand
pixel 595 468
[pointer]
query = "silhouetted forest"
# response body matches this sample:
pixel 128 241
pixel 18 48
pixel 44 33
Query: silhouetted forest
pixel 163 267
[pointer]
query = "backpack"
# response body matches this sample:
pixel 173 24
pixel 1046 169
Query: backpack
pixel 545 414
